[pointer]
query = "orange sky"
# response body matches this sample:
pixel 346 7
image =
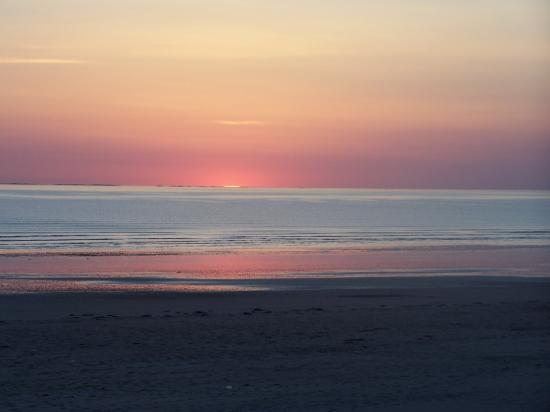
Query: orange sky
pixel 416 93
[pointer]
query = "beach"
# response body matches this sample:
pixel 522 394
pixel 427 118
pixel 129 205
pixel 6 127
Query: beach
pixel 400 344
pixel 210 299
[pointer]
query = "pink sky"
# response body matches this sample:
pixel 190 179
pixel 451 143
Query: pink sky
pixel 328 94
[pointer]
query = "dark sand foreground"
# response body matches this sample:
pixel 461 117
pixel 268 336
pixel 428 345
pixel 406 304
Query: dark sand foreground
pixel 480 344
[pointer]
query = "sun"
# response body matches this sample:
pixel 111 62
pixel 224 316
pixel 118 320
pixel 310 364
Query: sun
pixel 231 186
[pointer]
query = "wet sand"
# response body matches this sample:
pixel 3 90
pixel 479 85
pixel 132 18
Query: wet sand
pixel 430 344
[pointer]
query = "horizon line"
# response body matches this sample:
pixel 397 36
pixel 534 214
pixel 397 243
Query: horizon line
pixel 231 187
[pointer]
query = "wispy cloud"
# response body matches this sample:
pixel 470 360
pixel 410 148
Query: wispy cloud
pixel 9 60
pixel 240 122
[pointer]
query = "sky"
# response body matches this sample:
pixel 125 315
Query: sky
pixel 286 93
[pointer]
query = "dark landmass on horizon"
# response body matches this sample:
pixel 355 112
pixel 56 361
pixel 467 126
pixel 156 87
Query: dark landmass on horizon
pixel 534 189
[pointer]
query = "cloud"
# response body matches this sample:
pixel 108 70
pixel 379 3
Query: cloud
pixel 240 122
pixel 39 61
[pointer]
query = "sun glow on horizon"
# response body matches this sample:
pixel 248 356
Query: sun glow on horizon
pixel 232 187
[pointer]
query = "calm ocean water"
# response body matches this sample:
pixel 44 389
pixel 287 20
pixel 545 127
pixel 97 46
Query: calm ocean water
pixel 121 220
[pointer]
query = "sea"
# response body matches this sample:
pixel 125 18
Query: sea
pixel 45 228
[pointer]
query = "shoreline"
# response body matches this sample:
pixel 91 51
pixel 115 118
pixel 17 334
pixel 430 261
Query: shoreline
pixel 41 305
pixel 262 262
pixel 253 272
pixel 240 287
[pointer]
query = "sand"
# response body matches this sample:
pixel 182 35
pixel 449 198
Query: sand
pixel 452 344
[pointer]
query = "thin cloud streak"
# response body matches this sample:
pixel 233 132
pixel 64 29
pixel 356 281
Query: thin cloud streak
pixel 40 61
pixel 240 122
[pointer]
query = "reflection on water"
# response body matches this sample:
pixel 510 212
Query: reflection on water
pixel 42 285
pixel 231 273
